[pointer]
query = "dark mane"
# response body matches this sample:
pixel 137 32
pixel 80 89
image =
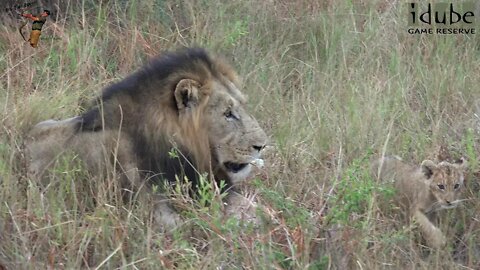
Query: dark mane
pixel 187 61
pixel 127 105
pixel 150 82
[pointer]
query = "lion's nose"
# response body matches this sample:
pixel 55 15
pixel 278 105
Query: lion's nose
pixel 258 147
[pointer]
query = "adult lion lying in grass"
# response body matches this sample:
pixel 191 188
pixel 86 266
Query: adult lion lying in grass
pixel 424 190
pixel 187 102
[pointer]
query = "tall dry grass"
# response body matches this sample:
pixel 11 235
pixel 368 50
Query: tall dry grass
pixel 334 84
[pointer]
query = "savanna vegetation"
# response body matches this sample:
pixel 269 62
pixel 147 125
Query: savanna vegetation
pixel 334 84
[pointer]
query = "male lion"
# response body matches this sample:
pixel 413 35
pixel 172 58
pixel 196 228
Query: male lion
pixel 424 190
pixel 186 102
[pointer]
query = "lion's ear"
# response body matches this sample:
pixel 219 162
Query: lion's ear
pixel 428 167
pixel 187 94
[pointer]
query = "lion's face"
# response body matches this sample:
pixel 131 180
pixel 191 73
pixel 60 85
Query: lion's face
pixel 211 108
pixel 446 182
pixel 235 137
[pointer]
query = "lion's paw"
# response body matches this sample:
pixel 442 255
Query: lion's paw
pixel 242 208
pixel 166 218
pixel 437 239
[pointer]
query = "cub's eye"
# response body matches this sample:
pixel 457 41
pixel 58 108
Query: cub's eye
pixel 456 186
pixel 442 187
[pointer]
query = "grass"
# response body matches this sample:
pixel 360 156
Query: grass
pixel 334 84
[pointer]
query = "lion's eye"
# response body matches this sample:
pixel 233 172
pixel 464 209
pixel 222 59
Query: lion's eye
pixel 230 116
pixel 456 186
pixel 442 187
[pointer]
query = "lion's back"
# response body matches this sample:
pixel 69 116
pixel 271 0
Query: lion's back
pixel 50 141
pixel 391 169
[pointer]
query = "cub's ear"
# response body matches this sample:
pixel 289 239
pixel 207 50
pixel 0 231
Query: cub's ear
pixel 187 94
pixel 428 167
pixel 461 163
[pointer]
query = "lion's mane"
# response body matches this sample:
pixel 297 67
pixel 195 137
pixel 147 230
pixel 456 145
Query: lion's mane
pixel 142 108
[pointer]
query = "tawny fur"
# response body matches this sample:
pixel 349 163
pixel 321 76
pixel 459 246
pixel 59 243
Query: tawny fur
pixel 423 190
pixel 188 101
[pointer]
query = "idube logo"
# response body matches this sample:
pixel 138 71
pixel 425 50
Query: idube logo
pixel 443 18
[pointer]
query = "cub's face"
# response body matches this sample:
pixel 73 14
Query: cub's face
pixel 446 181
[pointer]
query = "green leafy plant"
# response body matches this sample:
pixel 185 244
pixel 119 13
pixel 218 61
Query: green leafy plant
pixel 355 193
pixel 238 30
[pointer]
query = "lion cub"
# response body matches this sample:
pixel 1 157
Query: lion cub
pixel 424 190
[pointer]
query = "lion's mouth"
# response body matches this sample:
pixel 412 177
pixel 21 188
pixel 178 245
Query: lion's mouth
pixel 235 167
